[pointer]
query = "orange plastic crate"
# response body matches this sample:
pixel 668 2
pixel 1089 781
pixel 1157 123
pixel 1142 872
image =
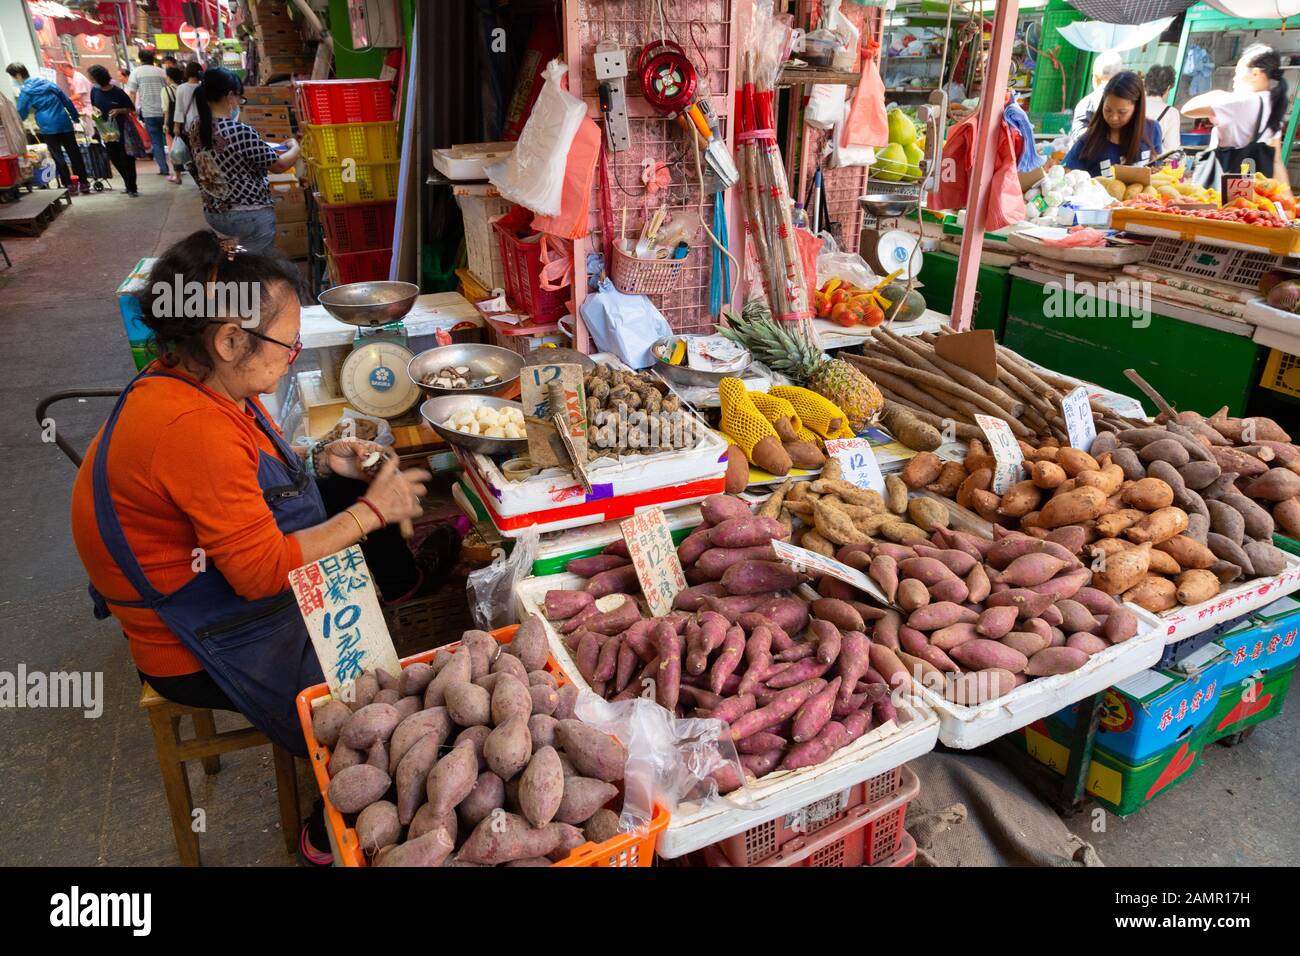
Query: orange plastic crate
pixel 869 834
pixel 624 850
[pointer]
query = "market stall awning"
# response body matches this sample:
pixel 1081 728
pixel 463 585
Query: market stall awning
pixel 1130 11
pixel 1257 9
pixel 1100 37
pixel 69 22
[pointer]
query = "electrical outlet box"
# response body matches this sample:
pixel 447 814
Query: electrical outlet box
pixel 611 62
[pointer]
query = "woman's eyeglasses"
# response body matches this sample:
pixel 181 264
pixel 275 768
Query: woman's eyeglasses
pixel 295 347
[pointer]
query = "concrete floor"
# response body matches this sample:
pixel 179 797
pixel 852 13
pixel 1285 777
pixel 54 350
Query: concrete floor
pixel 83 792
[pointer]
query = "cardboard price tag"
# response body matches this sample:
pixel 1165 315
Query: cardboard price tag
pixel 1005 449
pixel 337 598
pixel 650 545
pixel 858 462
pixel 545 447
pixel 801 559
pixel 1077 410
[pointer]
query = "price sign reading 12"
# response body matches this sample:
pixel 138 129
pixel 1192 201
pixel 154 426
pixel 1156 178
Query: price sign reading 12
pixel 650 545
pixel 857 462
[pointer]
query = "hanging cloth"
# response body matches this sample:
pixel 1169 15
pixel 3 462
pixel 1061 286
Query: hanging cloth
pixel 1027 157
pixel 867 124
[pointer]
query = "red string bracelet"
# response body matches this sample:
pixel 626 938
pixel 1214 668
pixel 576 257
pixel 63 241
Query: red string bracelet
pixel 383 522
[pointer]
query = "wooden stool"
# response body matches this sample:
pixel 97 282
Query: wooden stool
pixel 208 745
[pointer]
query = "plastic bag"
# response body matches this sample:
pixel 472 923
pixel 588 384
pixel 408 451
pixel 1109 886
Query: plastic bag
pixel 849 266
pixel 492 589
pixel 533 174
pixel 626 325
pixel 825 105
pixel 867 124
pixel 669 761
pixel 383 435
pixel 579 174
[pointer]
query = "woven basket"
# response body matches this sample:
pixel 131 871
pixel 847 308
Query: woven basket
pixel 633 276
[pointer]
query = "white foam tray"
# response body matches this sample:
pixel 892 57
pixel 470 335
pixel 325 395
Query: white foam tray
pixel 964 728
pixel 1187 621
pixel 776 794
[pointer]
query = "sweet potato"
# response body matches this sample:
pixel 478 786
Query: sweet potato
pixel 1259 523
pixel 1153 593
pixel 541 728
pixel 1189 553
pixel 592 752
pixel 472 739
pixel 921 470
pixel 1028 603
pixel 982 653
pixel 994 622
pixel 528 644
pixel 1227 521
pixel 1276 484
pixel 1200 474
pixel 1108 479
pixel 508 748
pixel 927 514
pixel 815 712
pixel 1055 660
pixel 714 562
pixel 562 605
pixel 502 837
pixel 895 494
pixel 371 724
pixel 1095 601
pixel 1088 643
pixel 1228 550
pixel 1073 507
pixel 1235 460
pixel 1047 475
pixel 542 786
pixel 1163 563
pixel 430 849
pixel 668 679
pixel 1031 569
pixel 737 478
pixel 745 532
pixel 1122 570
pixel 1265 560
pixel 1075 617
pixel 622 580
pixel 758 577
pixel 718 508
pixel 977 584
pixel 912 594
pixel 327 721
pixel 1121 624
pixel 1196 585
pixel 1074 461
pixel 783 706
pixel 596 564
pixel 377 826
pixel 1026 642
pixel 940 615
pixel 355 788
pixel 458 670
pixel 510 698
pixel 433 721
pixel 976 687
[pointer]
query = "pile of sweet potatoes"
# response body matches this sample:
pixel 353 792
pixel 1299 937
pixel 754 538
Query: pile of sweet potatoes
pixel 977 618
pixel 1150 509
pixel 474 759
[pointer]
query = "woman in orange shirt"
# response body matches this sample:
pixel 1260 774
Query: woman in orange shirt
pixel 191 509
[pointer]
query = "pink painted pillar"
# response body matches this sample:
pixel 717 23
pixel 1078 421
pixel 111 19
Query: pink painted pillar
pixel 993 97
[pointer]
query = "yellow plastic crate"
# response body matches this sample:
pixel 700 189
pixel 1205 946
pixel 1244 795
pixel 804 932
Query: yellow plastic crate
pixel 1282 373
pixel 372 182
pixel 1282 242
pixel 363 142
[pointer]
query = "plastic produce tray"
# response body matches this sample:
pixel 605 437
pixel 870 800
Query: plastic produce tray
pixel 1237 235
pixel 626 849
pixel 876 752
pixel 1181 622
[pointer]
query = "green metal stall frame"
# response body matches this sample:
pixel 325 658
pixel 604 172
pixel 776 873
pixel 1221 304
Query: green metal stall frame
pixel 1203 19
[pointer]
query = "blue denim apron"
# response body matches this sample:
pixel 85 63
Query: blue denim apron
pixel 258 652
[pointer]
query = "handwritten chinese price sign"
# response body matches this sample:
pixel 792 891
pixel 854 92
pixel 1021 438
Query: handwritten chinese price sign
pixel 336 596
pixel 650 545
pixel 1077 411
pixel 1006 451
pixel 857 462
pixel 801 559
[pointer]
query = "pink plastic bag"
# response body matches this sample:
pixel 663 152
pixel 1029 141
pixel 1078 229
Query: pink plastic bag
pixel 809 247
pixel 867 124
pixel 1006 203
pixel 579 174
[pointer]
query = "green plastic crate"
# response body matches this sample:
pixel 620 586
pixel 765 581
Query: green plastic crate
pixel 1234 713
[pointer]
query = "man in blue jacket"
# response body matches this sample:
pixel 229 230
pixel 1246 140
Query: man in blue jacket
pixel 55 118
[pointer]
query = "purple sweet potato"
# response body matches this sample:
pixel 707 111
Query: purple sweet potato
pixel 579 620
pixel 996 621
pixel 458 670
pixel 715 562
pixel 745 532
pixel 884 571
pixel 692 598
pixel 940 614
pixel 1121 624
pixel 829 739
pixel 615 621
pixel 797 673
pixel 782 707
pixel 621 580
pixel 954 635
pixel 356 787
pixel 502 837
pixel 529 643
pixel 789 614
pixel 507 749
pixel 981 654
pixel 568 695
pixel 854 659
pixel 762 763
pixel 732 708
pixel 1027 603
pixel 541 787
pixel 886 629
pixel 327 721
pixel 596 564
pixel 694 545
pixel 1055 660
pixel 607 660
pixel 716 509
pixel 592 752
pixel 562 605
pixel 761 742
pixel 415 678
pixel 732 606
pixel 758 658
pixel 733 648
pixel 814 713
pixel 625 666
pixel 429 849
pixel 797 652
pixel 759 577
pixel 929 571
pixel 669 679
pixel 829 640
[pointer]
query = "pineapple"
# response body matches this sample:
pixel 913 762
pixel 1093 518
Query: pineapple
pixel 787 348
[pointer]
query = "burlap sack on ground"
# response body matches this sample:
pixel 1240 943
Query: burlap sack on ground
pixel 973 811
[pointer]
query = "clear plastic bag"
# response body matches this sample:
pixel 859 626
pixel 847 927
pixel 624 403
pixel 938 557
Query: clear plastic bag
pixel 669 761
pixel 849 266
pixel 533 174
pixel 492 589
pixel 383 436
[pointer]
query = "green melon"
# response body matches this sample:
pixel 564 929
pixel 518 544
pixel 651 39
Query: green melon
pixel 905 305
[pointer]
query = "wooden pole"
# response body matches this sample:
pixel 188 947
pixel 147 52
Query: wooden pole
pixel 992 101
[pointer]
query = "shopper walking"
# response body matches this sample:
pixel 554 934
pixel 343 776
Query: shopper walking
pixel 146 86
pixel 1248 121
pixel 186 112
pixel 1119 131
pixel 114 108
pixel 56 118
pixel 1159 80
pixel 175 79
pixel 232 162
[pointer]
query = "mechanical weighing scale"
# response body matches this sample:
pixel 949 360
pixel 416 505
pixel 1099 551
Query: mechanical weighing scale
pixel 372 376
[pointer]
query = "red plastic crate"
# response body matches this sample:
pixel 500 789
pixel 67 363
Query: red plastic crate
pixel 345 267
pixel 867 833
pixel 521 261
pixel 8 171
pixel 325 102
pixel 358 226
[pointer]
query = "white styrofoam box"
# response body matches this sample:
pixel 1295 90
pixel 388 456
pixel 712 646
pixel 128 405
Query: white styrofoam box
pixel 577 540
pixel 964 728
pixel 465 163
pixel 1258 312
pixel 913 735
pixel 1185 621
pixel 557 487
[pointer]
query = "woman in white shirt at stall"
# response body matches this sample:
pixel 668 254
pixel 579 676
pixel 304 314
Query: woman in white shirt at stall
pixel 1254 112
pixel 1158 81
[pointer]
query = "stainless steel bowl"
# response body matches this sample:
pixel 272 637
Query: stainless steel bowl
pixel 370 304
pixel 886 205
pixel 482 361
pixel 435 411
pixel 683 375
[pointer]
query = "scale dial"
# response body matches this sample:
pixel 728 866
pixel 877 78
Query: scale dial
pixel 374 380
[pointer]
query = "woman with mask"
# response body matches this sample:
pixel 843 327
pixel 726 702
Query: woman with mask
pixel 1248 121
pixel 1119 132
pixel 232 162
